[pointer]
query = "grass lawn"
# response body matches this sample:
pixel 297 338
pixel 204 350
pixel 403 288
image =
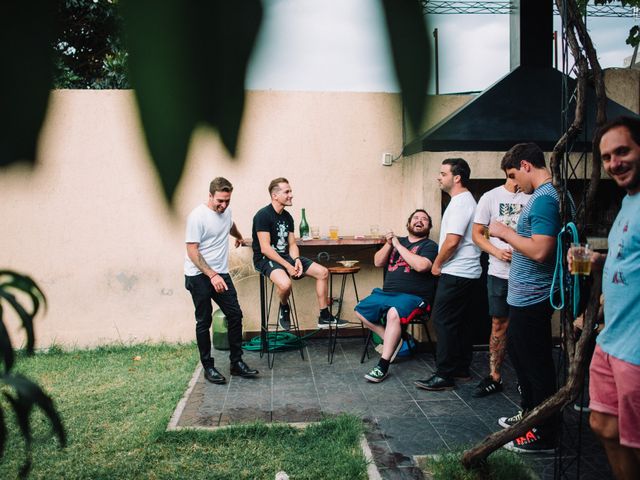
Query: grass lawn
pixel 115 409
pixel 501 465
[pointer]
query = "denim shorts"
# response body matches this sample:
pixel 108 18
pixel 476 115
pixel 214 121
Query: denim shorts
pixel 375 307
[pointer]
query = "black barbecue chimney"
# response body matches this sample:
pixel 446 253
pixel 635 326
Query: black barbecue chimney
pixel 531 33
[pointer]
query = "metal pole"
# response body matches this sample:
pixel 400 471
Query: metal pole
pixel 435 36
pixel 555 49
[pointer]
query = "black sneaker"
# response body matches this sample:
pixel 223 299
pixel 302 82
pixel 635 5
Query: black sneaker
pixel 531 442
pixel 486 387
pixel 506 422
pixel 329 321
pixel 284 317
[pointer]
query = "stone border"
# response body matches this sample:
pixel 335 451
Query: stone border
pixel 177 413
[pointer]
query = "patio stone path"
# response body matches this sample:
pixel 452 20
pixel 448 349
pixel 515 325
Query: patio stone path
pixel 403 421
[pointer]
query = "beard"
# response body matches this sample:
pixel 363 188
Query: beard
pixel 420 233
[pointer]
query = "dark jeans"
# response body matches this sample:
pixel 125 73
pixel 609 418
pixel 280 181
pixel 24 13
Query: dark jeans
pixel 530 345
pixel 452 319
pixel 202 293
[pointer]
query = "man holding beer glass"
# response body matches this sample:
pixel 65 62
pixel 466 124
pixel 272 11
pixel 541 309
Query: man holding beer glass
pixel 614 387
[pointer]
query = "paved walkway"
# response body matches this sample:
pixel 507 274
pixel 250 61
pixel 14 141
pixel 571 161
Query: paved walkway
pixel 403 420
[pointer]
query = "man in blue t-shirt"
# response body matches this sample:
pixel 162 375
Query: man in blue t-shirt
pixel 614 387
pixel 408 288
pixel 529 340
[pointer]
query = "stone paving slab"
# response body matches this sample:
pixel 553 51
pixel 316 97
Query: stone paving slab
pixel 402 420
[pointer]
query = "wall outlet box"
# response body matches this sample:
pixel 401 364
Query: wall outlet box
pixel 387 159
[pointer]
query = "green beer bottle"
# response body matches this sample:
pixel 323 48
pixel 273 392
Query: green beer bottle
pixel 304 226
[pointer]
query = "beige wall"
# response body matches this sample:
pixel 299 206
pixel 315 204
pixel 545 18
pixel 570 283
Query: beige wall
pixel 89 223
pixel 91 227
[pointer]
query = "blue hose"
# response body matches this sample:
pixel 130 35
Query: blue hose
pixel 558 274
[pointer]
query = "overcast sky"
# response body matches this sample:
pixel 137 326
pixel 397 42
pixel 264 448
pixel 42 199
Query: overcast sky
pixel 341 45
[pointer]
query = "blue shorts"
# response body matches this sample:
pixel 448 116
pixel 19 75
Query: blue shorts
pixel 375 307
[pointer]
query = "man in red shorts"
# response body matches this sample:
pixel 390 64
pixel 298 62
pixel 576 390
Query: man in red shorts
pixel 614 386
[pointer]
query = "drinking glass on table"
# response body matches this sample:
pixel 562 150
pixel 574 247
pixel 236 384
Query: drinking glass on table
pixel 333 232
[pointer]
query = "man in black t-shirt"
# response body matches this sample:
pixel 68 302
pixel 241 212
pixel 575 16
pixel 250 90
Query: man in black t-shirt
pixel 276 255
pixel 408 289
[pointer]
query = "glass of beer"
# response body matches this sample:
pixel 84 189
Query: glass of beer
pixel 581 264
pixel 485 232
pixel 333 232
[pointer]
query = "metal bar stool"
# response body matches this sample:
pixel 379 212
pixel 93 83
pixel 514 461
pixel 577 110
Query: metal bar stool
pixel 343 272
pixel 265 311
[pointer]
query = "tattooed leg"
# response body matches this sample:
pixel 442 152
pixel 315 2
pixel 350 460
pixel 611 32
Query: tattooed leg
pixel 497 345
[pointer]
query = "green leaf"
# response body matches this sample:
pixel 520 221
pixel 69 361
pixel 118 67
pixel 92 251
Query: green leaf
pixel 226 38
pixel 27 320
pixel 634 36
pixel 411 53
pixel 29 394
pixel 27 30
pixel 188 64
pixel 160 70
pixel 5 345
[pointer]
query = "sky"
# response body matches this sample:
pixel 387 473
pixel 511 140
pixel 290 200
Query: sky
pixel 341 45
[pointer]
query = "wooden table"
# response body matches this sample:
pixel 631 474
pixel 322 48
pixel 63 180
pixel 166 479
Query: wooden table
pixel 349 242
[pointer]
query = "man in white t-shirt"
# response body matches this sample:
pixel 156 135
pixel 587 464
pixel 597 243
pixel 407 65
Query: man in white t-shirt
pixel 503 204
pixel 458 265
pixel 206 270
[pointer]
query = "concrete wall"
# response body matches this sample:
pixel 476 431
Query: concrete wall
pixel 90 226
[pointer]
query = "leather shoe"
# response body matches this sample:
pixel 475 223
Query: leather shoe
pixel 435 384
pixel 214 376
pixel 242 369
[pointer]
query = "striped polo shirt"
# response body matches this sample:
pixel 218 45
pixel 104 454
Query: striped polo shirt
pixel 530 281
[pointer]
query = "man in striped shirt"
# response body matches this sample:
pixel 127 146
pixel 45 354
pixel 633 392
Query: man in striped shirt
pixel 534 245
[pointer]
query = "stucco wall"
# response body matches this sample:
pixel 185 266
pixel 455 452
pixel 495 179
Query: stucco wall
pixel 91 227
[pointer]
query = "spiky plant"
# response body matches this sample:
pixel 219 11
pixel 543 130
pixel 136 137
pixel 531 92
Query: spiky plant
pixel 21 393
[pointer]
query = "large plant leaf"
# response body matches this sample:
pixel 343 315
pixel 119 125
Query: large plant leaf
pixel 161 71
pixel 27 30
pixel 411 54
pixel 13 280
pixel 188 64
pixel 28 395
pixel 5 345
pixel 229 33
pixel 27 285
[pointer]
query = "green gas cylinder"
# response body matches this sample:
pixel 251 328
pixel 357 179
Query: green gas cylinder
pixel 219 335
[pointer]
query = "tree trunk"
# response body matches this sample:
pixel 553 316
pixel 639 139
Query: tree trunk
pixel 477 454
pixel 575 30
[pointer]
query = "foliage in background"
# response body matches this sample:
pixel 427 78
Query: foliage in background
pixel 21 393
pixel 187 61
pixel 634 33
pixel 117 402
pixel 89 48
